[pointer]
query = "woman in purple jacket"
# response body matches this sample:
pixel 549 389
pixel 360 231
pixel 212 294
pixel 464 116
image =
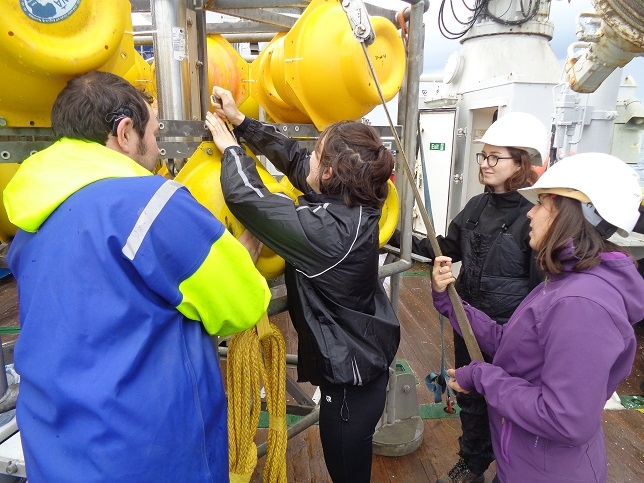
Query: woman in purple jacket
pixel 571 341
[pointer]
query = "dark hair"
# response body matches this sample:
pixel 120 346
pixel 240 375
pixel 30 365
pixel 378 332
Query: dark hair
pixel 361 164
pixel 524 177
pixel 570 224
pixel 81 110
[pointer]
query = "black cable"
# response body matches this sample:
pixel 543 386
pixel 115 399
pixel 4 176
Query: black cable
pixel 479 7
pixel 533 10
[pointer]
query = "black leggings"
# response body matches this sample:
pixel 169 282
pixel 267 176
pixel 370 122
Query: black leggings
pixel 348 418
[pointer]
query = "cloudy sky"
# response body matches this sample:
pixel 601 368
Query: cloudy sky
pixel 563 14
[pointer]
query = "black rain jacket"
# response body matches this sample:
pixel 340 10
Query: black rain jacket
pixel 497 269
pixel 347 330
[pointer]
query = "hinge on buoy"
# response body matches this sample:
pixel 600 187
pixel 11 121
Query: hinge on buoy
pixel 359 20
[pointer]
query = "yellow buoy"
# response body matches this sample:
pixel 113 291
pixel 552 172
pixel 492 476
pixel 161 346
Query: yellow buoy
pixel 201 176
pixel 227 69
pixel 43 46
pixel 317 72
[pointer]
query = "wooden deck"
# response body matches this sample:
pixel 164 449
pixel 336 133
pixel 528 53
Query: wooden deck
pixel 421 349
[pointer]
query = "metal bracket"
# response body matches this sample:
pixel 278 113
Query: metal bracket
pixel 359 20
pixel 177 139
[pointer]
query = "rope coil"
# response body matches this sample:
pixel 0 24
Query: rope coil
pixel 246 370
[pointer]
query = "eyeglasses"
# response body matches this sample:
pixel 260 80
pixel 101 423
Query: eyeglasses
pixel 492 159
pixel 115 117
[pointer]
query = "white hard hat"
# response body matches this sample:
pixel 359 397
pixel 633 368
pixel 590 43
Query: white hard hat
pixel 520 130
pixel 607 182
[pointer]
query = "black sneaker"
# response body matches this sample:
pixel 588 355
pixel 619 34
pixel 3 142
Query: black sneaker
pixel 460 473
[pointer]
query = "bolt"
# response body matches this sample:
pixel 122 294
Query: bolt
pixel 406 388
pixel 3 121
pixel 297 128
pixel 209 151
pixel 11 468
pixel 189 22
pixel 361 29
pixel 199 64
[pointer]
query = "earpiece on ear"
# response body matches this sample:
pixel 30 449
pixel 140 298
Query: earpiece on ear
pixel 115 117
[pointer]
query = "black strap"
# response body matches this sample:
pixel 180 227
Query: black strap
pixel 474 219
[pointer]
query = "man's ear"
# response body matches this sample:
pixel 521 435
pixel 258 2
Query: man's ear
pixel 125 136
pixel 328 172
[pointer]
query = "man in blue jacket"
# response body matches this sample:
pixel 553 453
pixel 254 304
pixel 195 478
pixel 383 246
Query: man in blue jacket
pixel 122 276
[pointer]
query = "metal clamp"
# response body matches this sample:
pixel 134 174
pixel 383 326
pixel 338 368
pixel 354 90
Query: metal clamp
pixel 359 20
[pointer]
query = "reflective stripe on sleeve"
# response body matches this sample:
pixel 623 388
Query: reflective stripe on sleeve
pixel 147 217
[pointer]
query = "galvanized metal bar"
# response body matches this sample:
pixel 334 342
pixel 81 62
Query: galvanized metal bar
pixel 4 385
pixel 294 429
pixel 177 128
pixel 171 58
pixel 241 28
pixel 26 131
pixel 224 4
pixel 202 63
pixel 140 5
pixel 18 151
pixel 294 389
pixel 263 16
pixel 295 409
pixel 177 149
pixel 257 37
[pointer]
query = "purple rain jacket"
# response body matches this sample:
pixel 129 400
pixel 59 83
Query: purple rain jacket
pixel 556 362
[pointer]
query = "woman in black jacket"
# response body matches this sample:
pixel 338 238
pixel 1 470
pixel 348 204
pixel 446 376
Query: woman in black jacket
pixel 490 237
pixel 348 333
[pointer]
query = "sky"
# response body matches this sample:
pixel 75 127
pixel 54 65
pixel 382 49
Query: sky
pixel 563 14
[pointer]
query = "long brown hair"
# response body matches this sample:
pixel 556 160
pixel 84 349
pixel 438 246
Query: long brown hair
pixel 361 164
pixel 569 224
pixel 524 176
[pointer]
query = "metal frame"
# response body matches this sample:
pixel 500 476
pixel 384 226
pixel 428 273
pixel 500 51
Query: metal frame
pixel 183 100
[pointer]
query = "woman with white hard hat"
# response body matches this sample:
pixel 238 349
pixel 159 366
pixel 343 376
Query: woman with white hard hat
pixel 490 236
pixel 566 348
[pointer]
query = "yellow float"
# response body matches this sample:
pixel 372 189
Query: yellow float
pixel 317 71
pixel 201 176
pixel 43 46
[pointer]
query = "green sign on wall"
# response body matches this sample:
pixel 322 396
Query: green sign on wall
pixel 437 146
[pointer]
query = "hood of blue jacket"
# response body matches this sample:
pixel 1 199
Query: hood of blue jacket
pixel 52 175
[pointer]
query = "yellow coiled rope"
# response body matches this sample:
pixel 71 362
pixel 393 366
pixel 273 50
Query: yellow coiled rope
pixel 245 368
pixel 275 382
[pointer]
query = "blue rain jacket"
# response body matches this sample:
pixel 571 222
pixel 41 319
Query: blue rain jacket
pixel 122 276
